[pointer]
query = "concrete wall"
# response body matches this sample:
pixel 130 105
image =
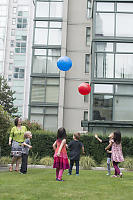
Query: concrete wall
pixel 76 49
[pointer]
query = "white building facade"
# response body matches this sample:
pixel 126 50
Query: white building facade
pixel 17 30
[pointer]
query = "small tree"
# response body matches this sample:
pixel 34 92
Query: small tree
pixel 6 97
pixel 5 124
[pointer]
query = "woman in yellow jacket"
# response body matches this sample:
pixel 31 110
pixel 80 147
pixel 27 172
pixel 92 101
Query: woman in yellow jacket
pixel 16 139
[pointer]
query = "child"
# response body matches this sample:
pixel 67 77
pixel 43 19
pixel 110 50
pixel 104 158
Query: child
pixel 108 152
pixel 117 155
pixel 25 151
pixel 75 147
pixel 60 156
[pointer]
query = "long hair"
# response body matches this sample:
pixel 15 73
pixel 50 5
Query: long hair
pixel 61 133
pixel 117 137
pixel 16 121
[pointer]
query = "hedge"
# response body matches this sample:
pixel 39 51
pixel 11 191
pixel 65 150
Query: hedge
pixel 42 145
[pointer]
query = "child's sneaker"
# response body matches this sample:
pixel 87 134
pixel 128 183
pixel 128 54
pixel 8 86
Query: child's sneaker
pixel 114 176
pixel 60 180
pixel 69 174
pixel 121 175
pixel 107 174
pixel 77 174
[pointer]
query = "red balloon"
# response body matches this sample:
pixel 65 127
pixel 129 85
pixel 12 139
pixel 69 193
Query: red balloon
pixel 84 88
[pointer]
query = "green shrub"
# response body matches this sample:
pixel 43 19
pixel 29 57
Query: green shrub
pixel 48 161
pixel 42 142
pixel 30 160
pixel 5 160
pixel 128 163
pixel 31 125
pixel 86 162
pixel 104 163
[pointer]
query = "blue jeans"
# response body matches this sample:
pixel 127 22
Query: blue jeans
pixel 71 166
pixel 108 164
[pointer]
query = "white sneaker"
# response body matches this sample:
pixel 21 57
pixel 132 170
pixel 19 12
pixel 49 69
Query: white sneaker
pixel 107 174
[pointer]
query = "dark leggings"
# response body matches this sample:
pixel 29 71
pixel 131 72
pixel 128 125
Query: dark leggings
pixel 117 170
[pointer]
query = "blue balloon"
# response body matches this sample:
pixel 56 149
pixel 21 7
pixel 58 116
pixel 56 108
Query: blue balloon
pixel 64 63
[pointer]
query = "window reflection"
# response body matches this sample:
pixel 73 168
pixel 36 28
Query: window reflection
pixel 102 107
pixel 104 46
pixel 104 24
pixel 122 112
pixel 124 66
pixel 104 64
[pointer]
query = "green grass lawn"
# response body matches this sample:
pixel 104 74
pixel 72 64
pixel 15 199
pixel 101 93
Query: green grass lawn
pixel 40 184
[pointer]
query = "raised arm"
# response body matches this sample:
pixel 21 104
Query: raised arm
pixel 96 136
pixel 61 146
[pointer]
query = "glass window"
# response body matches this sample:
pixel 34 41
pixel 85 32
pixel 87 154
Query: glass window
pixel 104 47
pixel 124 66
pixel 125 7
pixel 55 24
pixel 13 21
pixel 101 6
pixel 56 9
pixel 102 107
pixel 14 10
pixel 54 52
pixel 88 8
pixel 53 81
pixel 3 21
pixel 121 111
pixel 40 52
pixel 126 19
pixel 37 118
pixel 54 37
pixel 50 122
pixel 39 64
pixel 3 10
pixel 12 32
pixel 124 47
pixel 104 24
pixel 104 65
pixel 87 63
pixel 52 65
pixel 50 111
pixel 88 29
pixel 42 24
pixel 9 78
pixel 103 88
pixel 11 54
pixel 124 89
pixel 41 36
pixel 42 9
pixel 52 94
pixel 37 93
pixel 86 98
pixel 37 110
pixel 10 66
